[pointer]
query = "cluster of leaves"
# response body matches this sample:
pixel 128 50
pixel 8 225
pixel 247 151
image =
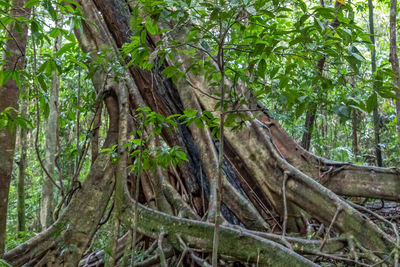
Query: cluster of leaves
pixel 9 119
pixel 270 48
pixel 142 149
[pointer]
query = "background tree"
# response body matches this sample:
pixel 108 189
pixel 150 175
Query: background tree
pixel 14 62
pixel 393 58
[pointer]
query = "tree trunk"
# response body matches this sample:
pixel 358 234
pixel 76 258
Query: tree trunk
pixel 309 126
pixel 378 151
pixel 96 132
pixel 354 128
pixel 9 94
pixel 394 60
pixel 312 112
pixel 47 201
pixel 21 170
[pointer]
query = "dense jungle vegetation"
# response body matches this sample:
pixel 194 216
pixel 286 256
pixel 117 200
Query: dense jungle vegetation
pixel 199 133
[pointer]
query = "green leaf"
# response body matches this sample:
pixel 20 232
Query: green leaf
pixel 3 263
pixel 151 27
pixel 67 47
pixel 49 7
pixel 262 65
pixel 319 23
pixel 5 76
pixel 303 5
pixel 55 32
pixel 181 155
pixel 327 13
pixel 190 112
pixel 31 3
pixel 372 102
pixel 192 34
pixel 169 71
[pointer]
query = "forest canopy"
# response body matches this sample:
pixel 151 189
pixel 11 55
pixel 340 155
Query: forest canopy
pixel 199 133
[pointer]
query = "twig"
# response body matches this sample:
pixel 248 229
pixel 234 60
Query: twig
pixel 12 36
pixel 201 91
pixel 285 212
pixel 104 220
pixel 185 251
pixel 243 110
pixel 163 262
pixel 393 225
pixel 383 260
pixel 352 248
pixel 197 259
pixel 339 258
pixel 326 237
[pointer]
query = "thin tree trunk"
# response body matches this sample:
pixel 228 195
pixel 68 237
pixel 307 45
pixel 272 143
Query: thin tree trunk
pixel 354 128
pixel 9 94
pixel 78 114
pixel 394 60
pixel 47 201
pixel 354 122
pixel 96 131
pixel 21 171
pixel 308 127
pixel 378 152
pixel 311 113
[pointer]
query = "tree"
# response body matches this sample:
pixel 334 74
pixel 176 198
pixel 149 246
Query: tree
pixel 310 115
pixel 47 205
pixel 22 163
pixel 161 89
pixel 378 151
pixel 394 58
pixel 9 94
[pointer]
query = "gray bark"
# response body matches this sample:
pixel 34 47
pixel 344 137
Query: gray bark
pixel 47 201
pixel 21 170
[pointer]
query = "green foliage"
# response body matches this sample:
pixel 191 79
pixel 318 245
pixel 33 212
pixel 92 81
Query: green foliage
pixel 3 263
pixel 141 146
pixel 9 119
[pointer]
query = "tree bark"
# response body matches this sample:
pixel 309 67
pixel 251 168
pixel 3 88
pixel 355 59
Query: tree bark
pixel 394 60
pixel 96 133
pixel 9 94
pixel 354 131
pixel 22 163
pixel 378 151
pixel 47 200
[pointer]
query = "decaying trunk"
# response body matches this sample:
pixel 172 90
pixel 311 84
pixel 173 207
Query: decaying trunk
pixel 9 94
pixel 265 174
